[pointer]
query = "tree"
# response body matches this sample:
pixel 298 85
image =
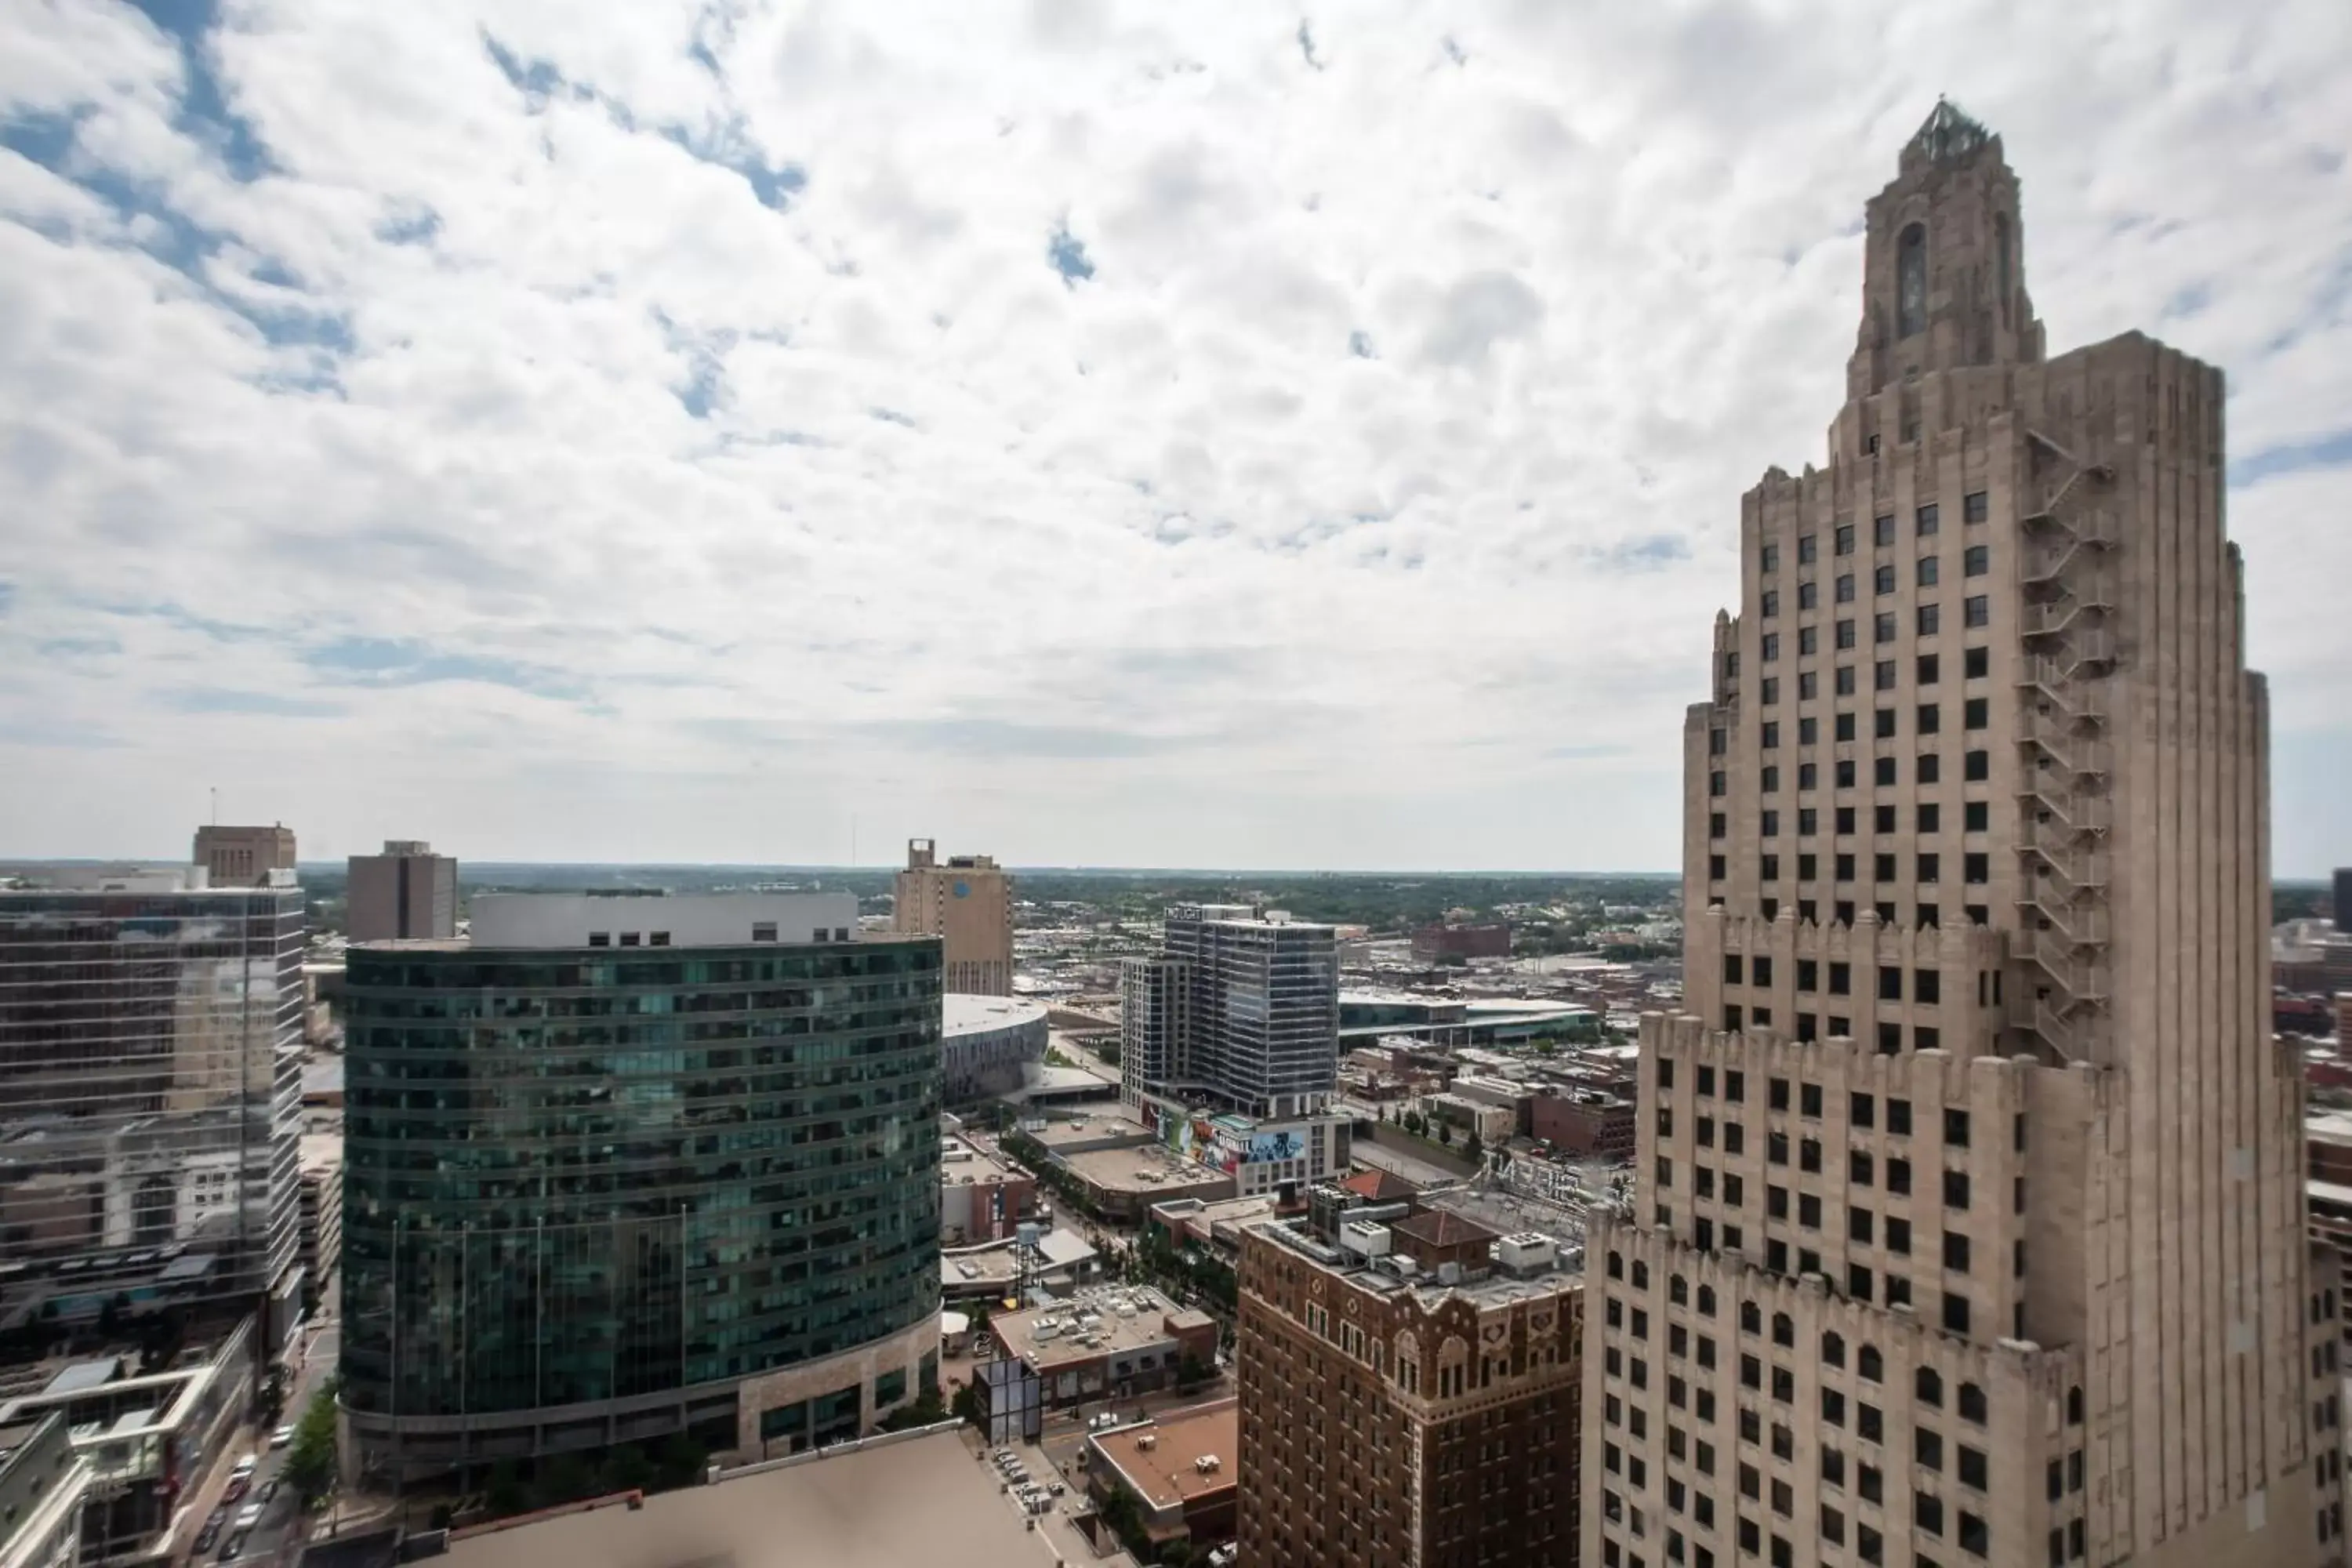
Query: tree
pixel 311 1461
pixel 625 1470
pixel 564 1479
pixel 1473 1149
pixel 967 1407
pixel 1445 1132
pixel 682 1459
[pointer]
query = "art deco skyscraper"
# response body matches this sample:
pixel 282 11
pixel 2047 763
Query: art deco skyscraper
pixel 1970 1226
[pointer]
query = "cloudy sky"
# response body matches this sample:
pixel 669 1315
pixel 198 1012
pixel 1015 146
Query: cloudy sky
pixel 1152 435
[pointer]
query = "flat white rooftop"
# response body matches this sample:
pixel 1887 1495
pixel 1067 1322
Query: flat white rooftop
pixel 660 919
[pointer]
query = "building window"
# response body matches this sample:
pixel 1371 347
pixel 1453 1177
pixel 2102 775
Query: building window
pixel 1931 718
pixel 1976 868
pixel 1845 539
pixel 1769 559
pixel 1805 552
pixel 1809 641
pixel 1882 626
pixel 1975 505
pixel 1882 724
pixel 1883 579
pixel 1926 517
pixel 1845 589
pixel 1977 610
pixel 1809 595
pixel 1976 560
pixel 1882 528
pixel 1843 726
pixel 1926 577
pixel 1882 770
pixel 1846 634
pixel 1911 281
pixel 1930 620
pixel 1772 647
pixel 1771 689
pixel 1975 766
pixel 1771 604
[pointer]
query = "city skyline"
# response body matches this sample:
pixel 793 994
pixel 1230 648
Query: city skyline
pixel 1315 425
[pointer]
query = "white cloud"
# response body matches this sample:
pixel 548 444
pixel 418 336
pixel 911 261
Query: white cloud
pixel 668 433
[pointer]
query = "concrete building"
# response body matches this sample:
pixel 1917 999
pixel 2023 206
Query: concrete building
pixel 1112 1342
pixel 1435 943
pixel 145 1439
pixel 318 1225
pixel 1180 1469
pixel 406 893
pixel 150 1077
pixel 727 1226
pixel 2343 900
pixel 1409 1381
pixel 966 901
pixel 244 857
pixel 912 1498
pixel 983 1197
pixel 42 1481
pixel 1971 1222
pixel 987 1044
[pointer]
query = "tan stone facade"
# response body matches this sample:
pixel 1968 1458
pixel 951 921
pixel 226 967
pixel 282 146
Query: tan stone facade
pixel 965 900
pixel 1971 1225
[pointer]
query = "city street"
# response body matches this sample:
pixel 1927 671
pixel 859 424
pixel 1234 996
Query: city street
pixel 277 1539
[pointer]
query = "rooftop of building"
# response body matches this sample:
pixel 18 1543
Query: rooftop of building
pixel 1379 1186
pixel 963 1162
pixel 1103 1320
pixel 1184 1456
pixel 1442 1227
pixel 916 1501
pixel 961 1013
pixel 1142 1168
pixel 1067 1131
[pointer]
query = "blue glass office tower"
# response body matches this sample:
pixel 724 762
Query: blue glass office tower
pixel 621 1167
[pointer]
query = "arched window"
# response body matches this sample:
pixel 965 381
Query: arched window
pixel 1973 1403
pixel 1707 1300
pixel 1616 1266
pixel 1640 1275
pixel 1929 1387
pixel 1678 1291
pixel 1784 1329
pixel 1834 1348
pixel 2002 265
pixel 1911 281
pixel 2074 1406
pixel 1751 1317
pixel 1871 1364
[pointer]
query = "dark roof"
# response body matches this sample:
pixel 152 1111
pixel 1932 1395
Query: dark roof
pixel 1442 1227
pixel 1948 133
pixel 1379 1186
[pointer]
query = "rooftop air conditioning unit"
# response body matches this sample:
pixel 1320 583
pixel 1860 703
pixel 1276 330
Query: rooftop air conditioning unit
pixel 1206 1464
pixel 1149 1441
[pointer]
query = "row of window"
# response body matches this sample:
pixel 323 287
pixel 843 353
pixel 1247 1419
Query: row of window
pixel 1927 621
pixel 1928 718
pixel 1975 562
pixel 1811 1026
pixel 1976 817
pixel 1928 670
pixel 1975 767
pixel 1930 867
pixel 1975 507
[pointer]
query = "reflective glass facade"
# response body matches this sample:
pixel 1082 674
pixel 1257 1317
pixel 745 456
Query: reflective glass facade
pixel 150 1093
pixel 582 1178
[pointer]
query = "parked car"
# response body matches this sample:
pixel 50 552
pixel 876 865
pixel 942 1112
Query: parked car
pixel 269 1489
pixel 229 1549
pixel 209 1536
pixel 283 1436
pixel 247 1516
pixel 238 1484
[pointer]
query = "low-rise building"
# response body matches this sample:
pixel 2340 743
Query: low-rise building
pixel 1215 1227
pixel 42 1479
pixel 1585 1123
pixel 1435 943
pixel 1059 1261
pixel 1122 1183
pixel 1113 1341
pixel 984 1196
pixel 1180 1469
pixel 145 1439
pixel 1491 1124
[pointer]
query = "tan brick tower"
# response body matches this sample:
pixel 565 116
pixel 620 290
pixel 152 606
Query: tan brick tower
pixel 1970 1224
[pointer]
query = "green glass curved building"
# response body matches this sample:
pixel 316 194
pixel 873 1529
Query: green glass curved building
pixel 623 1167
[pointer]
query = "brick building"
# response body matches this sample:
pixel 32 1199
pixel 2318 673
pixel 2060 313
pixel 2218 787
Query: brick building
pixel 1409 1388
pixel 1433 942
pixel 1586 1123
